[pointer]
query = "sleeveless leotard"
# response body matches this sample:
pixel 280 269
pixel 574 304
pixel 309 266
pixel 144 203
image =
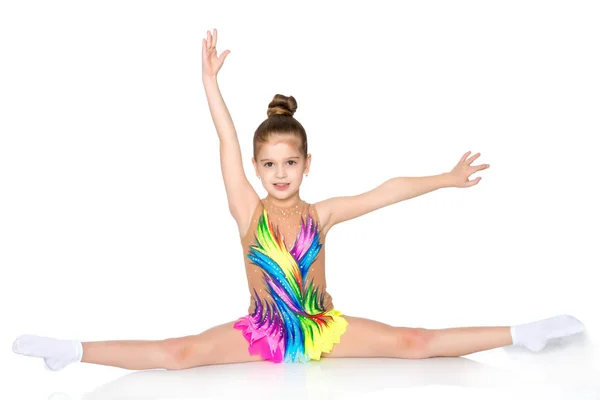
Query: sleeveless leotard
pixel 291 317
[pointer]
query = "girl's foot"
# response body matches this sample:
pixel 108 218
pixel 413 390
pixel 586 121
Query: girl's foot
pixel 535 335
pixel 56 353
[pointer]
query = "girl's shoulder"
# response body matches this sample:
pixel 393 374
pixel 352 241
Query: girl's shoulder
pixel 322 212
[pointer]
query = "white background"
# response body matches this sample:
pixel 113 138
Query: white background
pixel 114 221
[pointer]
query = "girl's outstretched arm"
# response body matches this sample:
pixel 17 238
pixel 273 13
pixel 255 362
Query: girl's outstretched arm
pixel 344 208
pixel 241 196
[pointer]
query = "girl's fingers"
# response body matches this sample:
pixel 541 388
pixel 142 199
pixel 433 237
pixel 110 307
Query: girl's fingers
pixel 471 159
pixel 223 55
pixel 215 41
pixel 208 39
pixel 474 181
pixel 464 157
pixel 205 53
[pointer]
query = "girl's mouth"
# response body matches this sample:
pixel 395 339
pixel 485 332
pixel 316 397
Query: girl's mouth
pixel 282 187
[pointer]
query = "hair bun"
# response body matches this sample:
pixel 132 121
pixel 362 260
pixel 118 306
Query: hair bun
pixel 282 105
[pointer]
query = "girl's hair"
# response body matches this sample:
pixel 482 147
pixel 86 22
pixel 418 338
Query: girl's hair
pixel 281 121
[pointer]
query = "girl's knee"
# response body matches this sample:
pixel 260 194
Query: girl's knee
pixel 188 352
pixel 413 342
pixel 181 353
pixel 173 353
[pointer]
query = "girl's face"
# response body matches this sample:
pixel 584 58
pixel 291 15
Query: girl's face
pixel 280 161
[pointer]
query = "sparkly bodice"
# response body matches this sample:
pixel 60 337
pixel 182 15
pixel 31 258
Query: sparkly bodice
pixel 284 255
pixel 286 220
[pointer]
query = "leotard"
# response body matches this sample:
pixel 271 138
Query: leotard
pixel 291 317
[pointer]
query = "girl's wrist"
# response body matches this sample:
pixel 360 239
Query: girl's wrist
pixel 209 78
pixel 448 180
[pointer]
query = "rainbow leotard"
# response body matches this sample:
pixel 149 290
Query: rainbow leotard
pixel 291 317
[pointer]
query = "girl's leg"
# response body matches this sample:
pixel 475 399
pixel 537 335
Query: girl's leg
pixel 218 345
pixel 368 338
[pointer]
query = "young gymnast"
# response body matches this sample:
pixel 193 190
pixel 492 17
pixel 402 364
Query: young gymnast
pixel 291 317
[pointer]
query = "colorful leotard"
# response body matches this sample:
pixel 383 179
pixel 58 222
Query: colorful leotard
pixel 291 317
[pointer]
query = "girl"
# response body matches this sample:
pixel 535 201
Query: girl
pixel 291 317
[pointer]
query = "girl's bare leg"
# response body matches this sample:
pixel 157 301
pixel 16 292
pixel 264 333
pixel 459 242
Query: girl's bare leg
pixel 368 338
pixel 218 345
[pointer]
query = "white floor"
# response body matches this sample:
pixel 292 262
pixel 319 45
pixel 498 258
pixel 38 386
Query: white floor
pixel 567 369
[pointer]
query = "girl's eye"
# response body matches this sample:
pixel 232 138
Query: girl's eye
pixel 267 163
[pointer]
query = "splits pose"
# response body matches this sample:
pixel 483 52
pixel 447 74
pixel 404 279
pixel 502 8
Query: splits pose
pixel 291 317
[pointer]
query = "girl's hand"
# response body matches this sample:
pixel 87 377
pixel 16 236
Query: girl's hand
pixel 211 64
pixel 463 170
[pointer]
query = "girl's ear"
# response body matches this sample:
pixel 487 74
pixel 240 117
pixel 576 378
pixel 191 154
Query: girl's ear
pixel 307 162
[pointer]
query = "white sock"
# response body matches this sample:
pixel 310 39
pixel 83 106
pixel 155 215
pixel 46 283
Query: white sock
pixel 56 353
pixel 535 335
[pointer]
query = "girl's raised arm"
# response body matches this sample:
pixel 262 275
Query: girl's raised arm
pixel 241 196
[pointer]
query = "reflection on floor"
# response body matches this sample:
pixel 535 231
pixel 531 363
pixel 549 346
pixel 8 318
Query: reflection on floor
pixel 566 368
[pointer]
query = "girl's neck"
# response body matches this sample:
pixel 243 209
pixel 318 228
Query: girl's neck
pixel 286 203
